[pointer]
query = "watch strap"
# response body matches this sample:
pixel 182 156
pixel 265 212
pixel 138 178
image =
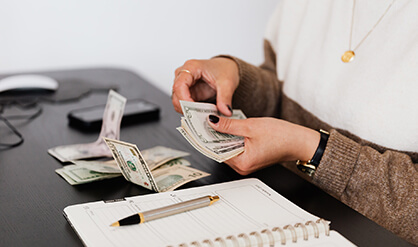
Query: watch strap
pixel 309 167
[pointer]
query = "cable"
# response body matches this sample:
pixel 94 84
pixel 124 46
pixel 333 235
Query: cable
pixel 15 131
pixel 6 121
pixel 24 103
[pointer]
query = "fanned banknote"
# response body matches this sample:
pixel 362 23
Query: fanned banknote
pixel 159 155
pixel 112 117
pixel 110 166
pixel 211 143
pixel 87 171
pixel 136 170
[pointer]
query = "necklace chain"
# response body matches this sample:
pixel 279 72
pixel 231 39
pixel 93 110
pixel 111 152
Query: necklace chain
pixel 349 55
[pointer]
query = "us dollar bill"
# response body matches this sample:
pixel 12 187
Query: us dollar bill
pixel 109 166
pixel 131 163
pixel 159 155
pixel 82 172
pixel 166 177
pixel 75 174
pixel 86 171
pixel 211 143
pixel 195 116
pixel 112 118
pixel 170 178
pixel 179 161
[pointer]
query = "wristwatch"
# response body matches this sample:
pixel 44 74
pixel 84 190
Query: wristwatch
pixel 309 167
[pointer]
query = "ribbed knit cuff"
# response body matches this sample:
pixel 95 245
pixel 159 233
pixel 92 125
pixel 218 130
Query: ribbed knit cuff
pixel 337 164
pixel 247 76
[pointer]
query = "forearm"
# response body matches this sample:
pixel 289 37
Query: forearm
pixel 382 186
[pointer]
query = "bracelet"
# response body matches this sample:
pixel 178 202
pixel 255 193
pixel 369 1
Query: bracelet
pixel 309 167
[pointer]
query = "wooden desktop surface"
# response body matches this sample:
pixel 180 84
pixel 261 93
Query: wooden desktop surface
pixel 33 196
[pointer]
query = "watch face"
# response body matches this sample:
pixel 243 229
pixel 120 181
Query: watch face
pixel 306 168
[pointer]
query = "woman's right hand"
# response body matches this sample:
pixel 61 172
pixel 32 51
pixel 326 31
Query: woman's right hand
pixel 201 80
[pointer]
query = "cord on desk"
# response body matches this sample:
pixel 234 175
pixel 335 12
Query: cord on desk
pixel 6 121
pixel 30 102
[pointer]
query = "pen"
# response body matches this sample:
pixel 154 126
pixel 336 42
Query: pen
pixel 158 213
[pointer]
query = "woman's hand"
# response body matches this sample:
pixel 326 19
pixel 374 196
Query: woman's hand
pixel 201 80
pixel 267 141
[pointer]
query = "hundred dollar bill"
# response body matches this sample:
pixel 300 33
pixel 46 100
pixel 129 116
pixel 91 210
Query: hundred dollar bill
pixel 74 174
pixel 112 117
pixel 136 170
pixel 197 131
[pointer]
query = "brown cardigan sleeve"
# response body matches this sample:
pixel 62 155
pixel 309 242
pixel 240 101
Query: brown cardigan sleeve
pixel 379 183
pixel 382 186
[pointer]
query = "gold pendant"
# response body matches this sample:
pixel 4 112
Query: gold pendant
pixel 348 56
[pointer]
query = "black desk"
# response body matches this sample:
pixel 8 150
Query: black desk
pixel 32 195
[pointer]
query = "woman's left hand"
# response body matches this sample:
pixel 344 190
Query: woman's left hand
pixel 267 141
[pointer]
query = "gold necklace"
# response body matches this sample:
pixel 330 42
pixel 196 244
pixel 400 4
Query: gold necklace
pixel 349 55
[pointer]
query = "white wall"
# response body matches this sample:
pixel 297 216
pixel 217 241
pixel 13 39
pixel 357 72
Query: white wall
pixel 150 37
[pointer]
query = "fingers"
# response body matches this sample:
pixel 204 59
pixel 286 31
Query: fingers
pixel 201 80
pixel 183 80
pixel 182 83
pixel 224 98
pixel 176 103
pixel 237 127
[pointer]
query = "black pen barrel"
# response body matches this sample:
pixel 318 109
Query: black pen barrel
pixel 130 220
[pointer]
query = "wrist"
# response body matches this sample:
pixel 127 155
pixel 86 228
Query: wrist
pixel 308 142
pixel 231 65
pixel 309 166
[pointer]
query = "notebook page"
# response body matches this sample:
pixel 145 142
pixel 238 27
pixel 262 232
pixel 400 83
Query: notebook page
pixel 244 206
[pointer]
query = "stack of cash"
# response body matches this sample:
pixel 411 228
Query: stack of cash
pixel 159 168
pixel 160 161
pixel 197 131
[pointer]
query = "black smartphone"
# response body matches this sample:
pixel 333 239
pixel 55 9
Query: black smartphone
pixel 90 118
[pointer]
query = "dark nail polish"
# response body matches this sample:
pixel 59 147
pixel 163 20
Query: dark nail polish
pixel 229 108
pixel 214 119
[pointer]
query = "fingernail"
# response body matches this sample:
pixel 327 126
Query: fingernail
pixel 229 108
pixel 214 119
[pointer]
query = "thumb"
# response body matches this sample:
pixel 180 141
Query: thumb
pixel 228 126
pixel 224 94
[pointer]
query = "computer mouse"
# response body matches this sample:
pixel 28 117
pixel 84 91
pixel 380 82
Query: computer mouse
pixel 28 82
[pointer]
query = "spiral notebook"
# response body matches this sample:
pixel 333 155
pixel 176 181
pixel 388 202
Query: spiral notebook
pixel 249 213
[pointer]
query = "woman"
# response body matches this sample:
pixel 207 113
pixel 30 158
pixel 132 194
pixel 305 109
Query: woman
pixel 349 68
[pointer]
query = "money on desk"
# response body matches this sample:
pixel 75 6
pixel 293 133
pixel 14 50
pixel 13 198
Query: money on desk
pixel 112 118
pixel 86 171
pixel 135 168
pixel 211 143
pixel 76 174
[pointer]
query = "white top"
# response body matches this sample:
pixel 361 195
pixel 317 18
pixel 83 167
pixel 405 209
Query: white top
pixel 376 95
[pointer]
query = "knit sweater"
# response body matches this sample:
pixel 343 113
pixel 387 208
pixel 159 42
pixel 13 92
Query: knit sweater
pixel 369 106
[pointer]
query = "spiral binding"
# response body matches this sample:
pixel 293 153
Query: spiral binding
pixel 304 229
pixel 257 236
